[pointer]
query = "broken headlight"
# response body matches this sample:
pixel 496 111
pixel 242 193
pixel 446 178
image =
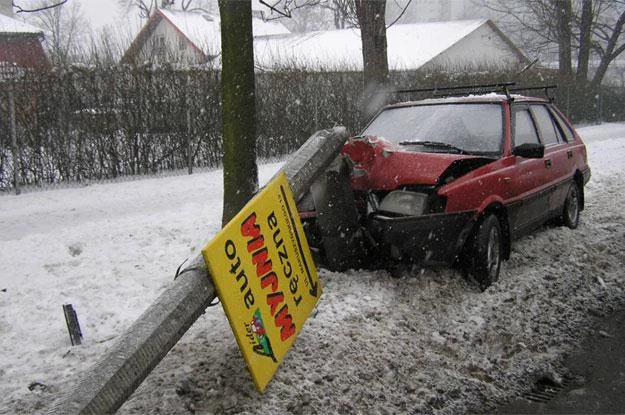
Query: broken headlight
pixel 403 202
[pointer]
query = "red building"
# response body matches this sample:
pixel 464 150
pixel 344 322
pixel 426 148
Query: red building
pixel 21 45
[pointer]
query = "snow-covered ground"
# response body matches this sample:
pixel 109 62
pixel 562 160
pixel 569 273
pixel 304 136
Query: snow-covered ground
pixel 428 342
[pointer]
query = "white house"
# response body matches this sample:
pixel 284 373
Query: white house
pixel 175 36
pixel 453 46
pixel 194 38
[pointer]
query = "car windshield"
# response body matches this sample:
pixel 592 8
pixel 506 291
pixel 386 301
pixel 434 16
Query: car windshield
pixel 449 128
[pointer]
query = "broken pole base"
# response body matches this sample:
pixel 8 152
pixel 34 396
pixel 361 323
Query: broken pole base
pixel 104 387
pixel 73 327
pixel 111 381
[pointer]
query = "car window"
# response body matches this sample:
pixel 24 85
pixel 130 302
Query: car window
pixel 524 129
pixel 564 127
pixel 550 134
pixel 474 128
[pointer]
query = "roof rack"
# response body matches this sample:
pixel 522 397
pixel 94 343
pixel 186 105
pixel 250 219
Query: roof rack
pixel 462 90
pixel 545 88
pixel 473 89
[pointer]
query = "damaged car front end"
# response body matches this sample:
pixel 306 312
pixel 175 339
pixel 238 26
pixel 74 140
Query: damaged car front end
pixel 442 181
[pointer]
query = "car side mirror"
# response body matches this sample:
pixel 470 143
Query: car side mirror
pixel 529 150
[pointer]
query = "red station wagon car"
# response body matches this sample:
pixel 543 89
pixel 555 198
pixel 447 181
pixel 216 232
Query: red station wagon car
pixel 449 180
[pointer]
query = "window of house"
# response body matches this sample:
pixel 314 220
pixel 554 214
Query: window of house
pixel 158 47
pixel 158 43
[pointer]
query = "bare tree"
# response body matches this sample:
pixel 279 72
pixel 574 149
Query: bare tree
pixel 146 8
pixel 590 30
pixel 108 44
pixel 64 25
pixel 301 15
pixel 531 23
pixel 608 36
pixel 285 8
pixel 345 15
pixel 310 19
pixel 343 11
pixel 20 9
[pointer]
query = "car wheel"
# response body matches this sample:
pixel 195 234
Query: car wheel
pixel 572 206
pixel 486 252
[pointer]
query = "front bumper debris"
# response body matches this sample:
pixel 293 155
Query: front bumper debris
pixel 436 238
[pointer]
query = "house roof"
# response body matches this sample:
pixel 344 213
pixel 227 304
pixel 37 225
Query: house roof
pixel 410 46
pixel 201 29
pixel 12 26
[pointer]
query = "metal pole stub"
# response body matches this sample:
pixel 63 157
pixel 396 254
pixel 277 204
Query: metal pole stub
pixel 73 327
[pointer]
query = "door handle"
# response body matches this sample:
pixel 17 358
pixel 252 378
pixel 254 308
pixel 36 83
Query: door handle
pixel 548 163
pixel 569 154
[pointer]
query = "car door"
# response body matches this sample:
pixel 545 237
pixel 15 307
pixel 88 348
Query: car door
pixel 531 198
pixel 558 156
pixel 575 154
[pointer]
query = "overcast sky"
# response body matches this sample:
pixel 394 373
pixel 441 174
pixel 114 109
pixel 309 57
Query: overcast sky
pixel 100 12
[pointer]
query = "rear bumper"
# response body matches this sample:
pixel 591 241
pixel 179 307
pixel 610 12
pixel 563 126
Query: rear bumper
pixel 434 238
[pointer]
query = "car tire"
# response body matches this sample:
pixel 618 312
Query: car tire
pixel 572 207
pixel 485 253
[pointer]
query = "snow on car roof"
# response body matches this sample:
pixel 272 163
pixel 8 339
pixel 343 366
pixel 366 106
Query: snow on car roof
pixel 492 97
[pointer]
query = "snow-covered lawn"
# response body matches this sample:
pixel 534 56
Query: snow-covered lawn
pixel 427 342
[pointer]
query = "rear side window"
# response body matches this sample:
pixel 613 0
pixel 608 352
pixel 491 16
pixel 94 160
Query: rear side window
pixel 550 134
pixel 564 127
pixel 524 129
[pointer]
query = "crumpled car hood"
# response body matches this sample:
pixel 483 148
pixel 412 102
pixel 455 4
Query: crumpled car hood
pixel 380 165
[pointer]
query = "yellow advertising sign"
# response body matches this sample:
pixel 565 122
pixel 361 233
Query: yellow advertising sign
pixel 265 277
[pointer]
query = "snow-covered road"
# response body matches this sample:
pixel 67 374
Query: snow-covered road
pixel 425 343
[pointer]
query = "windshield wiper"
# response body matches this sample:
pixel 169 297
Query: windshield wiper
pixel 435 144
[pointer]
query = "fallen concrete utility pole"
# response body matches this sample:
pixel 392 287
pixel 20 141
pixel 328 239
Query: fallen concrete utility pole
pixel 110 382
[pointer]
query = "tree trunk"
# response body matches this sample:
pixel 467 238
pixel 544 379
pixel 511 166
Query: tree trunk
pixel 563 12
pixel 585 31
pixel 370 14
pixel 239 112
